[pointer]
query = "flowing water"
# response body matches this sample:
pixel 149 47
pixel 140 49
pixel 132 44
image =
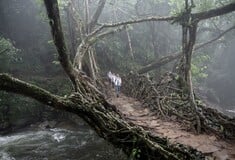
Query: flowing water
pixel 57 144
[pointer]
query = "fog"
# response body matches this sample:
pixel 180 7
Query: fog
pixel 24 24
pixel 68 103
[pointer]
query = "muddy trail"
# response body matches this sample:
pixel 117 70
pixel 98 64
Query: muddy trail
pixel 174 131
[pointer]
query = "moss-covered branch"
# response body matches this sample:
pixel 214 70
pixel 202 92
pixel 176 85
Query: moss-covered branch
pixel 10 84
pixel 214 12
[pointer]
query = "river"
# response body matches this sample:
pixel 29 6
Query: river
pixel 57 144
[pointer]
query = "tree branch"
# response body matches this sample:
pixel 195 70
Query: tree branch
pixel 93 39
pixel 214 12
pixel 77 18
pixel 112 25
pixel 200 16
pixel 75 12
pixel 176 55
pixel 214 39
pixel 129 44
pixel 97 14
pixel 58 37
pixel 166 18
pixel 10 84
pixel 160 62
pixel 87 42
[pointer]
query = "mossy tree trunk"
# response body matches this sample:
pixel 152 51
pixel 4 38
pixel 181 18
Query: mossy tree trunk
pixel 189 29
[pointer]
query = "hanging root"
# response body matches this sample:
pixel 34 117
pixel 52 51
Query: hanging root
pixel 166 98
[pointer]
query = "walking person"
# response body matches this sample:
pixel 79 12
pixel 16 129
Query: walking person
pixel 113 80
pixel 118 83
pixel 110 77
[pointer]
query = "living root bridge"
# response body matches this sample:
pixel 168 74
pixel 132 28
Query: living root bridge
pixel 168 98
pixel 105 120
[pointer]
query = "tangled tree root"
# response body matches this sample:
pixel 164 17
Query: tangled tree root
pixel 168 98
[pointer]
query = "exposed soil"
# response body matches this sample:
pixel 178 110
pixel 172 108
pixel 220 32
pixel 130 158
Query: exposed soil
pixel 175 131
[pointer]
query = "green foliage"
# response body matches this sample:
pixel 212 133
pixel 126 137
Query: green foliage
pixel 7 53
pixel 63 3
pixel 56 62
pixel 199 67
pixel 199 102
pixel 19 110
pixel 6 47
pixel 135 154
pixel 177 6
pixel 117 52
pixel 205 5
pixel 177 77
pixel 42 14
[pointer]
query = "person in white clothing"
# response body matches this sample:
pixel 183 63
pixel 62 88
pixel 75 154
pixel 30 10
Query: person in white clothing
pixel 113 79
pixel 118 83
pixel 110 77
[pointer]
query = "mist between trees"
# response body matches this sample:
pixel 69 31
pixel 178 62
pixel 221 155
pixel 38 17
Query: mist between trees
pixel 193 39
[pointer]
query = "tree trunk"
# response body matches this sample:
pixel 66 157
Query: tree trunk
pixel 129 43
pixel 87 15
pixel 189 29
pixel 72 33
pixel 92 63
pixel 188 42
pixel 155 47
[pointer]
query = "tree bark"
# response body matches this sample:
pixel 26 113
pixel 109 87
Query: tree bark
pixel 198 16
pixel 189 29
pixel 58 37
pixel 72 33
pixel 188 41
pixel 214 12
pixel 87 15
pixel 159 62
pixel 92 63
pixel 129 43
pixel 10 84
pixel 88 42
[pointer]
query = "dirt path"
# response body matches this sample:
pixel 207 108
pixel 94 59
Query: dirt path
pixel 209 144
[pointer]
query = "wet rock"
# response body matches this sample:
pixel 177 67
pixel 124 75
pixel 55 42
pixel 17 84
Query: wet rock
pixel 5 127
pixel 47 124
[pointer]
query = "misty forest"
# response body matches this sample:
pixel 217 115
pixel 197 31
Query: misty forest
pixel 117 79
